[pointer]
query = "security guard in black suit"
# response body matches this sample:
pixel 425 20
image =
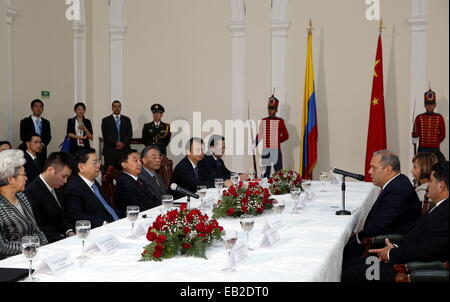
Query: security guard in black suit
pixel 156 132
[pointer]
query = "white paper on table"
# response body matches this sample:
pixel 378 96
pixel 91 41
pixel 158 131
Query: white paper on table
pixel 239 253
pixel 270 237
pixel 142 227
pixel 55 263
pixel 272 224
pixel 106 244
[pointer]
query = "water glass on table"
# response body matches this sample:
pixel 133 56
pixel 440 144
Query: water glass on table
pixel 83 227
pixel 295 196
pixel 132 215
pixel 323 180
pixel 229 238
pixel 29 246
pixel 218 183
pixel 247 221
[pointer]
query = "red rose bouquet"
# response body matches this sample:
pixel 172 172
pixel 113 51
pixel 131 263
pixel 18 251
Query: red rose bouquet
pixel 243 199
pixel 181 232
pixel 282 181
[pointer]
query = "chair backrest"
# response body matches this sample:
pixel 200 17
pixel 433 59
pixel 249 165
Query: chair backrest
pixel 426 203
pixel 108 183
pixel 166 170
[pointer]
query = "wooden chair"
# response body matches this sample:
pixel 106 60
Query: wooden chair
pixel 166 170
pixel 108 183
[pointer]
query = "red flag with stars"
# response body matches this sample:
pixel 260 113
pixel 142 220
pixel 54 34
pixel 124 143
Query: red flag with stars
pixel 376 137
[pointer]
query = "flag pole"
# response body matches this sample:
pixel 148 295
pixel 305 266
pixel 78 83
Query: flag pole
pixel 251 134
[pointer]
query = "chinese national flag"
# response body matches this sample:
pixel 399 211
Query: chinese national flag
pixel 376 137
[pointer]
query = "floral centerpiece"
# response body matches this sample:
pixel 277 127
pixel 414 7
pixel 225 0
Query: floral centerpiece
pixel 181 232
pixel 282 181
pixel 243 199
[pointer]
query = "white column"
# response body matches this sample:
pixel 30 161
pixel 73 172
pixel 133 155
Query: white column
pixel 238 101
pixel 280 27
pixel 10 14
pixel 79 56
pixel 418 23
pixel 117 31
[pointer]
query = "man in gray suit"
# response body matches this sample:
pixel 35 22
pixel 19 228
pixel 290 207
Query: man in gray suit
pixel 151 161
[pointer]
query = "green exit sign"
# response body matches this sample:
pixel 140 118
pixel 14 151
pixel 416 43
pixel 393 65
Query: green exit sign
pixel 45 94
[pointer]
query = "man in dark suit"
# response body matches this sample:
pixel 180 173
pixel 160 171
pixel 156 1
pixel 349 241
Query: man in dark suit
pixel 117 133
pixel 186 173
pixel 212 165
pixel 426 241
pixel 130 189
pixel 47 202
pixel 156 132
pixel 397 207
pixel 83 197
pixel 33 165
pixel 36 124
pixel 151 162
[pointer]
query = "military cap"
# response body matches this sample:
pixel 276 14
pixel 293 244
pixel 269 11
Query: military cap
pixel 157 108
pixel 430 97
pixel 273 103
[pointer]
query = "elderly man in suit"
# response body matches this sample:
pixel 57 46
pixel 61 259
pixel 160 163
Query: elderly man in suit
pixel 186 173
pixel 397 207
pixel 117 133
pixel 47 202
pixel 151 161
pixel 426 241
pixel 130 189
pixel 35 123
pixel 83 197
pixel 33 165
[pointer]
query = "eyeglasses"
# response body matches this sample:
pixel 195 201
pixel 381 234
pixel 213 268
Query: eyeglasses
pixel 154 157
pixel 22 174
pixel 95 162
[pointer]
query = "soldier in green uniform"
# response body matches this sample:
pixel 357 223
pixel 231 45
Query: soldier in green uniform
pixel 156 132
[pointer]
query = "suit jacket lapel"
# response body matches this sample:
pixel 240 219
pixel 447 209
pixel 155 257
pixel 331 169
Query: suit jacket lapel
pixel 49 195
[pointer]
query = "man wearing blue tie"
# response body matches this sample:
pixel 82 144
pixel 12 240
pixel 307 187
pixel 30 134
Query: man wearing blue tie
pixel 36 124
pixel 117 133
pixel 83 197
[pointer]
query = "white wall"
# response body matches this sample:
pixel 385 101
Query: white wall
pixel 3 94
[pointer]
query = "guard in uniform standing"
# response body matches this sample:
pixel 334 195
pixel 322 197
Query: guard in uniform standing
pixel 429 127
pixel 156 132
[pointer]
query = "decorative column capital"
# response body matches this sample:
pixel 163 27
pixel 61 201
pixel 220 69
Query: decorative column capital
pixel 280 28
pixel 10 14
pixel 117 32
pixel 237 29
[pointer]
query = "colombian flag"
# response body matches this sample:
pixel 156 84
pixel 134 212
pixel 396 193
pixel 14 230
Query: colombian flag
pixel 308 152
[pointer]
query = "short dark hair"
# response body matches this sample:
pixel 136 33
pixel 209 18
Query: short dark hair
pixel 191 142
pixel 59 159
pixel 124 156
pixel 36 101
pixel 6 143
pixel 148 148
pixel 78 105
pixel 116 101
pixel 81 157
pixel 214 139
pixel 29 136
pixel 441 172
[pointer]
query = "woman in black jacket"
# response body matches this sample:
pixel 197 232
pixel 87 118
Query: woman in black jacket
pixel 79 129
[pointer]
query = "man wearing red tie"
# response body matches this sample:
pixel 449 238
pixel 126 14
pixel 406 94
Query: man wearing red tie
pixel 429 127
pixel 273 130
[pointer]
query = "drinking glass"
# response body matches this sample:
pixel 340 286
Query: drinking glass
pixel 234 178
pixel 229 238
pixel 306 184
pixel 132 215
pixel 251 174
pixel 201 191
pixel 29 248
pixel 247 222
pixel 262 170
pixel 278 206
pixel 218 183
pixel 83 228
pixel 167 202
pixel 323 178
pixel 295 196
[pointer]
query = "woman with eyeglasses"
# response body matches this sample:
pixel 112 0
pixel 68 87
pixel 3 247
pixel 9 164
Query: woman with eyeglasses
pixel 79 129
pixel 16 216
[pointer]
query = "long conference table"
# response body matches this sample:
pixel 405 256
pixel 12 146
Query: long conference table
pixel 309 250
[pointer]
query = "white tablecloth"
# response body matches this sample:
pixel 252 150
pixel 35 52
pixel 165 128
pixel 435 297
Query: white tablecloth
pixel 310 248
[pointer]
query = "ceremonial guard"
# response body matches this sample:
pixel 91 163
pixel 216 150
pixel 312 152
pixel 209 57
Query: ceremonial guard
pixel 156 132
pixel 273 130
pixel 429 127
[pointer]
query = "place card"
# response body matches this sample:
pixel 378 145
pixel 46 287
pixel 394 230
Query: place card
pixel 273 224
pixel 142 227
pixel 239 253
pixel 55 263
pixel 270 238
pixel 106 244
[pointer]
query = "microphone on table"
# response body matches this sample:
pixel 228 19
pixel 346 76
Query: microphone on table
pixel 346 174
pixel 349 174
pixel 183 191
